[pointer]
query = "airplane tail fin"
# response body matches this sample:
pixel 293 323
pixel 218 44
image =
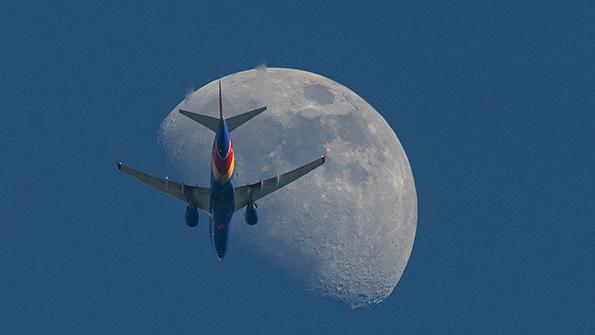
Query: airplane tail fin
pixel 213 123
pixel 238 120
pixel 220 103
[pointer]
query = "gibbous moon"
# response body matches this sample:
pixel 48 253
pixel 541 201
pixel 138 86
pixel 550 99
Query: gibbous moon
pixel 347 228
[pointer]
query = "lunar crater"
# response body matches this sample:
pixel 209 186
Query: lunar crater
pixel 319 93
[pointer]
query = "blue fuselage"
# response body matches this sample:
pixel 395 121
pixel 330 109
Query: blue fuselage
pixel 222 195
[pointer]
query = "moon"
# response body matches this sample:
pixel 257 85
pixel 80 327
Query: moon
pixel 347 228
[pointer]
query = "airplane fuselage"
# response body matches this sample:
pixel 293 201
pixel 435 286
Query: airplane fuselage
pixel 222 195
pixel 221 200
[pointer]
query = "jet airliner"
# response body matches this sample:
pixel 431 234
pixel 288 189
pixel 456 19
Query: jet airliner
pixel 223 198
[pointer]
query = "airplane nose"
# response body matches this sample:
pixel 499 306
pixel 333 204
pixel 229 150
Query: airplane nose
pixel 220 251
pixel 219 240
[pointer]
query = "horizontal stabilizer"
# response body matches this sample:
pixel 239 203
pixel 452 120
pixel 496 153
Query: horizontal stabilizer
pixel 232 123
pixel 207 121
pixel 238 120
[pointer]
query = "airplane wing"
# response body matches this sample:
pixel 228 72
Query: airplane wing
pixel 193 195
pixel 245 194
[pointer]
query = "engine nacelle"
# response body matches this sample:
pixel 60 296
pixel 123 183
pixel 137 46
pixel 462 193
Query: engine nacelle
pixel 251 215
pixel 191 216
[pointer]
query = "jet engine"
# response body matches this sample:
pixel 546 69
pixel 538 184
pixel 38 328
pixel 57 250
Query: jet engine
pixel 251 214
pixel 191 216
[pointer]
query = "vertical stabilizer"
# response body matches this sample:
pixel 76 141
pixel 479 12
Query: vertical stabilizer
pixel 220 102
pixel 213 123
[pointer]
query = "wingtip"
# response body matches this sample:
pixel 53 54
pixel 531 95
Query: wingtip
pixel 119 166
pixel 324 158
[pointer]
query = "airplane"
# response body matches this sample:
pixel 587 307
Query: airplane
pixel 223 198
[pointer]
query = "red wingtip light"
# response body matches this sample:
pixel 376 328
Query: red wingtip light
pixel 324 157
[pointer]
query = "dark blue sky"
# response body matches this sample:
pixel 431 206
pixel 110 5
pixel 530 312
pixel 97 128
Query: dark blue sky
pixel 493 101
